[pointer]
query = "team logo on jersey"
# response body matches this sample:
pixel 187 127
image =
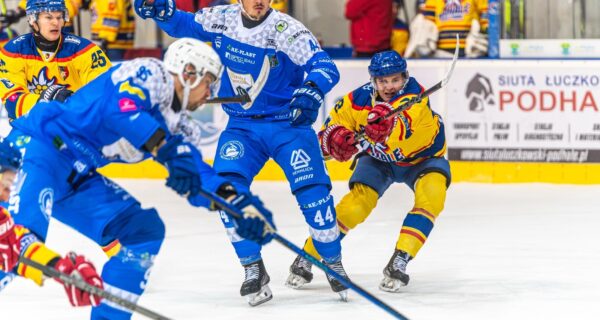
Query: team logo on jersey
pixel 479 93
pixel 273 61
pixel 281 26
pixel 232 150
pixel 45 201
pixel 127 105
pixel 41 82
pixel 299 159
pixel 64 72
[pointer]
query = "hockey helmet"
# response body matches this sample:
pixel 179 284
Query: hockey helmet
pixel 386 63
pixel 33 7
pixel 186 51
pixel 10 157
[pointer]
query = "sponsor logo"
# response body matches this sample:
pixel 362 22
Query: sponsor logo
pixel 217 26
pixel 299 159
pixel 232 150
pixel 7 83
pixel 45 201
pixel 218 42
pixel 281 26
pixel 127 105
pixel 64 72
pixel 273 61
pixel 271 43
pixel 238 59
pixel 479 93
pixel 72 39
pixel 295 36
pixel 566 48
pixel 304 178
pixel 241 52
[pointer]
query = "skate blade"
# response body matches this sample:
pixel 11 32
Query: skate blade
pixel 264 295
pixel 295 281
pixel 391 285
pixel 344 295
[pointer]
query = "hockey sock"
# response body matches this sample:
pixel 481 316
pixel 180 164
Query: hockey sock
pixel 430 195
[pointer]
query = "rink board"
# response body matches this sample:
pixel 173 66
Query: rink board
pixel 506 120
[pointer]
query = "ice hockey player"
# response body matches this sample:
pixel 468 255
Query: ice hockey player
pixel 134 111
pixel 46 62
pixel 14 237
pixel 266 53
pixel 408 148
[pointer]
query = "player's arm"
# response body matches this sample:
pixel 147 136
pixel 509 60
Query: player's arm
pixel 13 88
pixel 16 240
pixel 424 125
pixel 91 63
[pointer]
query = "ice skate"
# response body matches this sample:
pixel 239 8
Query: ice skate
pixel 255 287
pixel 300 273
pixel 394 273
pixel 337 286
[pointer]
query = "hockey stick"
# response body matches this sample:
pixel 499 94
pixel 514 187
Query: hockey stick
pixel 420 96
pixel 81 284
pixel 242 97
pixel 224 205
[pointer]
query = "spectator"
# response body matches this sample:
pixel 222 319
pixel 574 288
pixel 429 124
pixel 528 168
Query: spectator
pixel 370 26
pixel 400 31
pixel 433 31
pixel 113 26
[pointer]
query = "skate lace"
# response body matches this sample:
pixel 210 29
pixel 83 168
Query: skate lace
pixel 400 262
pixel 304 264
pixel 252 272
pixel 339 268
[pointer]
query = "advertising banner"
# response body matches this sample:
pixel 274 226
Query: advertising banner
pixel 524 111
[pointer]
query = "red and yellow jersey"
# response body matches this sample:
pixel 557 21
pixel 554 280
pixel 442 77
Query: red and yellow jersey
pixel 72 8
pixel 418 132
pixel 113 21
pixel 455 16
pixel 26 71
pixel 400 36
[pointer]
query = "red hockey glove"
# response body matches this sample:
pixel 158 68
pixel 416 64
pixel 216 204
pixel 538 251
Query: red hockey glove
pixel 77 266
pixel 378 127
pixel 338 142
pixel 9 244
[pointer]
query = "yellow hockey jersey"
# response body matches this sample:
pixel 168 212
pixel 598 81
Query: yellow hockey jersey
pixel 26 71
pixel 113 21
pixel 418 132
pixel 72 9
pixel 455 16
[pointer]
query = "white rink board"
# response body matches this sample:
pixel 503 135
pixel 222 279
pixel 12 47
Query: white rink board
pixel 527 251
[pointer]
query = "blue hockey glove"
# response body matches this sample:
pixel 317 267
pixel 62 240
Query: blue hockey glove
pixel 252 225
pixel 160 10
pixel 177 156
pixel 305 105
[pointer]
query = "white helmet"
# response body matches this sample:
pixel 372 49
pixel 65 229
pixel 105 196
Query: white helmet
pixel 186 51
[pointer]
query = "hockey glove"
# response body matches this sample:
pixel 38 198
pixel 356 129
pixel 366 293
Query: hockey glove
pixel 305 105
pixel 177 156
pixel 252 225
pixel 378 127
pixel 11 16
pixel 160 10
pixel 9 243
pixel 77 266
pixel 56 92
pixel 338 142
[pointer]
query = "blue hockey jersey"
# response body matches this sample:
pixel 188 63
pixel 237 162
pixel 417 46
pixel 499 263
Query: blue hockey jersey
pixel 268 61
pixel 111 118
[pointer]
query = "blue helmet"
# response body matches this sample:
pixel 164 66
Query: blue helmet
pixel 386 63
pixel 10 157
pixel 33 7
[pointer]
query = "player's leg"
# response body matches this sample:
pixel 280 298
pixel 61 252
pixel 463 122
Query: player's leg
pixel 429 181
pixel 297 152
pixel 368 182
pixel 240 157
pixel 117 216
